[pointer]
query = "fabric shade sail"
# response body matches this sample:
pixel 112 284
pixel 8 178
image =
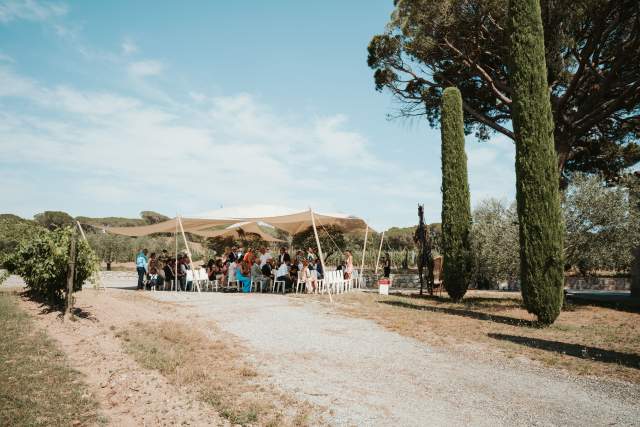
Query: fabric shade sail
pixel 297 222
pixel 170 226
pixel 292 223
pixel 237 230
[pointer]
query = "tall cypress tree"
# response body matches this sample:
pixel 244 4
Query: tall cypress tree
pixel 540 218
pixel 456 209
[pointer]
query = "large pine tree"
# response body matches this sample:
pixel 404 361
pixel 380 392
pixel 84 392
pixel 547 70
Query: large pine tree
pixel 456 209
pixel 540 217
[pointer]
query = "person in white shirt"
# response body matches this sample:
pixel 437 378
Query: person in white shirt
pixel 283 274
pixel 264 256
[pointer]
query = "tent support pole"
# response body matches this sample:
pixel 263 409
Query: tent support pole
pixel 324 269
pixel 379 252
pixel 175 274
pixel 98 284
pixel 186 244
pixel 364 250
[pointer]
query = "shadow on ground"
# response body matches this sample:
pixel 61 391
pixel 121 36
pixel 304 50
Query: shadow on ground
pixel 575 350
pixel 465 313
pixel 49 306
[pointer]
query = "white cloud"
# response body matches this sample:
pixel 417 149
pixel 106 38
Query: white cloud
pixel 145 68
pixel 129 47
pixel 6 58
pixel 30 10
pixel 100 151
pixel 192 157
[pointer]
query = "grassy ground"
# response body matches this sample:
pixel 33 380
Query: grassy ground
pixel 585 340
pixel 213 366
pixel 37 387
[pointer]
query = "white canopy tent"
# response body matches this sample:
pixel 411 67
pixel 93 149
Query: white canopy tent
pixel 291 221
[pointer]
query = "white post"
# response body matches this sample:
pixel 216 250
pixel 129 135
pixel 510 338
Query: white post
pixel 364 249
pixel 98 283
pixel 324 269
pixel 379 252
pixel 186 244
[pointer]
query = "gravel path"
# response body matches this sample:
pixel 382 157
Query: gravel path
pixel 366 375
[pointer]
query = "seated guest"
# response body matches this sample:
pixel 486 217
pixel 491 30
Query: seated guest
pixel 266 272
pixel 211 269
pixel 256 273
pixel 243 272
pixel 283 275
pixel 293 273
pixel 317 266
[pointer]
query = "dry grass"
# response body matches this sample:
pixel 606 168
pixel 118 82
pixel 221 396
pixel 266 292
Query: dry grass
pixel 213 366
pixel 37 386
pixel 585 340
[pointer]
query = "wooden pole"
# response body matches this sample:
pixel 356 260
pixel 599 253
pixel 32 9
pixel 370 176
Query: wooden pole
pixel 175 273
pixel 186 244
pixel 379 252
pixel 98 283
pixel 71 274
pixel 364 250
pixel 324 269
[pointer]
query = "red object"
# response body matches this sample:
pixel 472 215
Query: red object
pixel 384 281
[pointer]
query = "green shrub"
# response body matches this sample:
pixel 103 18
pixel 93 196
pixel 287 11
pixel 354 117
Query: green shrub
pixel 456 208
pixel 42 262
pixel 537 193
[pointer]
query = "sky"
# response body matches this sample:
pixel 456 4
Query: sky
pixel 111 108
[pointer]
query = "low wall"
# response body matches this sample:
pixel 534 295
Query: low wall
pixel 411 280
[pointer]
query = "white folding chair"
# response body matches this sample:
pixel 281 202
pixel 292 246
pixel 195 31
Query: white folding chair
pixel 300 283
pixel 233 282
pixel 277 284
pixel 257 283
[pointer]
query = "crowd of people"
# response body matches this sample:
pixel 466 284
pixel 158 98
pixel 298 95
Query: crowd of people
pixel 163 272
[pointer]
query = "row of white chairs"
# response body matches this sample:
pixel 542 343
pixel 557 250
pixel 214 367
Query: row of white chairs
pixel 333 282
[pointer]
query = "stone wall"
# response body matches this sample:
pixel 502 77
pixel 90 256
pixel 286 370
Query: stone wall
pixel 411 281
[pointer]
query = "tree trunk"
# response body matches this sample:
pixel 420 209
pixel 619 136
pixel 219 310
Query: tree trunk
pixel 635 273
pixel 108 265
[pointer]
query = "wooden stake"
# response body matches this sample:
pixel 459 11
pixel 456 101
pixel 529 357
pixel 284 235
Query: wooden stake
pixel 71 274
pixel 379 252
pixel 186 244
pixel 364 249
pixel 98 283
pixel 324 269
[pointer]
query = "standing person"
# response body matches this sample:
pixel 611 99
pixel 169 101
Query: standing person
pixel 230 255
pixel 348 265
pixel 249 257
pixel 243 272
pixel 182 273
pixel 141 267
pixel 231 270
pixel 284 256
pixel 307 277
pixel 311 254
pixel 169 273
pixel 153 269
pixel 387 265
pixel 264 256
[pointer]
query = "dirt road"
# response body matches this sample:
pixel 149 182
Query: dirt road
pixel 355 371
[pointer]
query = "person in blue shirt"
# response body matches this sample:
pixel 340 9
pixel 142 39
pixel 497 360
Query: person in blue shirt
pixel 141 267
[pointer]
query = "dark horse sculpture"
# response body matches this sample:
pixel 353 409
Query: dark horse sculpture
pixel 424 241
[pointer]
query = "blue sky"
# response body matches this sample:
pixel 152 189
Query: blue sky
pixel 110 108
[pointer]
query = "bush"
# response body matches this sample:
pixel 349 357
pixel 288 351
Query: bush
pixel 42 261
pixel 456 209
pixel 14 230
pixel 540 218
